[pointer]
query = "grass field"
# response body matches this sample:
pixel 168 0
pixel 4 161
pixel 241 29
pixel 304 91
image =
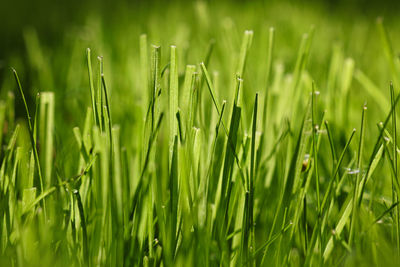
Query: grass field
pixel 204 134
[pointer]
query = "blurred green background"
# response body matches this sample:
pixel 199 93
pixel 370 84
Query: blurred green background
pixel 46 41
pixel 54 20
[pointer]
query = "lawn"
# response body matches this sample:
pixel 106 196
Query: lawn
pixel 201 133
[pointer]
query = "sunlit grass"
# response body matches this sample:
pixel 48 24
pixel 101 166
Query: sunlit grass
pixel 204 154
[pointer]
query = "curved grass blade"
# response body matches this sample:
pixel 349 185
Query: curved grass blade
pixel 31 136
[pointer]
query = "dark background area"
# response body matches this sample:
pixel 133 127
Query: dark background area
pixel 51 17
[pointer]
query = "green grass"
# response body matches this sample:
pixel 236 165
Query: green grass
pixel 203 144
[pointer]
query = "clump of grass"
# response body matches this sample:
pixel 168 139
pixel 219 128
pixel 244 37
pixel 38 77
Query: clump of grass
pixel 244 171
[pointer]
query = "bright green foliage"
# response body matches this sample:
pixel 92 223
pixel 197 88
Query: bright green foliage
pixel 232 151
